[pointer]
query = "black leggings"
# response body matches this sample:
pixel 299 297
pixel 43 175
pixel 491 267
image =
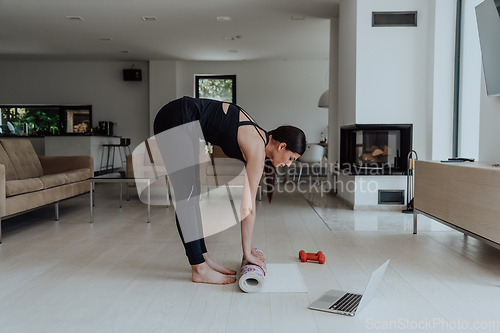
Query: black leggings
pixel 185 181
pixel 195 249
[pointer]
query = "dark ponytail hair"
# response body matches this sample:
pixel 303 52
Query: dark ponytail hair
pixel 295 140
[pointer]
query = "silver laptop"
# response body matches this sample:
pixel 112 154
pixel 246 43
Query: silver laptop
pixel 346 303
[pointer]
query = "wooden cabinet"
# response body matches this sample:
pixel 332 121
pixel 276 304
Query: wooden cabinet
pixel 462 195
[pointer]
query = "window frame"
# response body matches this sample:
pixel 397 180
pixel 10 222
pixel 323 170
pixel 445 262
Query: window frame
pixel 217 77
pixel 62 108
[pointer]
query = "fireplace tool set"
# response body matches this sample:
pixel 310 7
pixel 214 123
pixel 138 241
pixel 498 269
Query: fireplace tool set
pixel 409 181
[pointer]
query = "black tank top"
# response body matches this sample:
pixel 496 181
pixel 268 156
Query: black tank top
pixel 219 128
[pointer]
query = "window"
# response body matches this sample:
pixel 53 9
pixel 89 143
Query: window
pixel 218 87
pixel 41 120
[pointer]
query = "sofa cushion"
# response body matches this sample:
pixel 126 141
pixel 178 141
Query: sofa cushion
pixel 58 179
pixel 23 158
pixel 10 172
pixel 15 187
pixel 20 203
pixel 78 175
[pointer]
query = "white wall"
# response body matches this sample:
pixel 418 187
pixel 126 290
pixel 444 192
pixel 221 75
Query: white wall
pixel 273 92
pixel 489 140
pixel 362 191
pixel 333 111
pixel 470 92
pixel 99 83
pixel 391 75
pixel 480 113
pixel 347 62
pixel 441 78
pixel 391 69
pixel 367 188
pixel 162 87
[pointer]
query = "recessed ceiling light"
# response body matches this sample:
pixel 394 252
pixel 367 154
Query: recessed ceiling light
pixel 233 38
pixel 149 18
pixel 297 18
pixel 75 18
pixel 223 18
pixel 232 51
pixel 124 51
pixel 106 39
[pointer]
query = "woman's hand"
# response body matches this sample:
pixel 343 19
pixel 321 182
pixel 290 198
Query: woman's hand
pixel 257 261
pixel 258 255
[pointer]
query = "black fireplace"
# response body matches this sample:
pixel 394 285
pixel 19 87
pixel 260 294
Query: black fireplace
pixel 375 149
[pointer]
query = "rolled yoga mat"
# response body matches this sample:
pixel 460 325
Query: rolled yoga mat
pixel 251 276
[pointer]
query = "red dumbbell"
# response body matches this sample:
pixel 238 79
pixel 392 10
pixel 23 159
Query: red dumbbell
pixel 312 256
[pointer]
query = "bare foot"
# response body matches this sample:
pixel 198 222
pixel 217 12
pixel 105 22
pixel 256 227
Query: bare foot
pixel 217 267
pixel 202 273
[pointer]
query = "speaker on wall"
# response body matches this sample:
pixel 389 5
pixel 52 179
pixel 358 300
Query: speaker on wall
pixel 132 75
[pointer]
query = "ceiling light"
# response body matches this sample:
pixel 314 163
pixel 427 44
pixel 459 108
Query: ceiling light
pixel 297 18
pixel 75 18
pixel 106 39
pixel 233 38
pixel 223 18
pixel 149 18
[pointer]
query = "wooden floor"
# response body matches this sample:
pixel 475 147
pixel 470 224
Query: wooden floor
pixel 124 275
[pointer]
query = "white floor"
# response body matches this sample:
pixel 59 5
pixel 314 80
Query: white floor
pixel 124 275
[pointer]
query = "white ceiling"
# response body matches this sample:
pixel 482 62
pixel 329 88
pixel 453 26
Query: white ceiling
pixel 185 29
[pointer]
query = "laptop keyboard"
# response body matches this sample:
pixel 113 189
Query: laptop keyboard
pixel 347 303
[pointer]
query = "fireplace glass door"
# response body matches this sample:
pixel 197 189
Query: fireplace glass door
pixel 377 148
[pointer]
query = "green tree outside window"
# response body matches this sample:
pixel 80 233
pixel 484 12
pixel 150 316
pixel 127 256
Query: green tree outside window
pixel 218 87
pixel 44 120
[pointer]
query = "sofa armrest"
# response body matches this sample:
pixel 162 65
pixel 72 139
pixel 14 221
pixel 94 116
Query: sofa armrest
pixel 3 209
pixel 59 164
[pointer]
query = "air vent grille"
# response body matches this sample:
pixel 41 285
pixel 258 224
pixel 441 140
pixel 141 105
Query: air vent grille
pixel 74 18
pixel 391 197
pixel 394 19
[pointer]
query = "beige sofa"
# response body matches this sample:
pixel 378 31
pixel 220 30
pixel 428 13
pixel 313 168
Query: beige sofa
pixel 28 181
